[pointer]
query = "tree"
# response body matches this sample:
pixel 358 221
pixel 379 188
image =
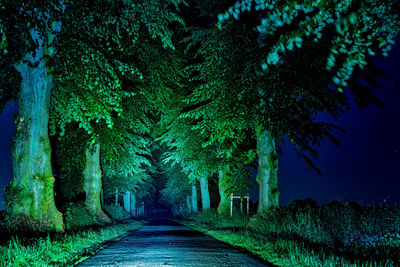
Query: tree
pixel 32 27
pixel 87 39
pixel 352 32
pixel 244 87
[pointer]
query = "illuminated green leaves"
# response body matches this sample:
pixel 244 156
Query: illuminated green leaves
pixel 378 20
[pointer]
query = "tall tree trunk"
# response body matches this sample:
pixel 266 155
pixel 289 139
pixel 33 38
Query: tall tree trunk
pixel 92 183
pixel 133 204
pixel 222 188
pixel 31 190
pixel 194 198
pixel 267 176
pixel 205 194
pixel 188 205
pixel 127 201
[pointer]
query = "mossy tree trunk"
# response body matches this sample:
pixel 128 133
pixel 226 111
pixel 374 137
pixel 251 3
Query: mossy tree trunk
pixel 92 183
pixel 31 190
pixel 224 202
pixel 205 194
pixel 267 176
pixel 194 198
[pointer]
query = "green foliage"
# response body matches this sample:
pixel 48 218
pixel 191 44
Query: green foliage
pixel 70 161
pixel 109 78
pixel 232 93
pixel 77 216
pixel 177 186
pixel 61 249
pixel 93 91
pixel 117 212
pixel 96 59
pixel 358 29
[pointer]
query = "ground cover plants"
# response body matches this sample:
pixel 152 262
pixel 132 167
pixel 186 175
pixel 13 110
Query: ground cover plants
pixel 61 249
pixel 304 234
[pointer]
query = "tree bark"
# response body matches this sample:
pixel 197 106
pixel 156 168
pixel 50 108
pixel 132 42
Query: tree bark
pixel 224 202
pixel 267 176
pixel 205 194
pixel 133 204
pixel 31 192
pixel 194 198
pixel 92 183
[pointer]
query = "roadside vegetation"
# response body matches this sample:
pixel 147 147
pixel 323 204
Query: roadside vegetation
pixel 81 240
pixel 304 234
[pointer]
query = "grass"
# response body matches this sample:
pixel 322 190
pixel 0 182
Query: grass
pixel 66 249
pixel 306 235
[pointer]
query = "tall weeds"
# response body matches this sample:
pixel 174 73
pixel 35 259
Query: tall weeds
pixel 304 234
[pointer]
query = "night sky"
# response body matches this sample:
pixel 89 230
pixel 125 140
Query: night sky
pixel 365 167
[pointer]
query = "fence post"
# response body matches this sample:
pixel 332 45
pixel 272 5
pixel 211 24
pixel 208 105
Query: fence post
pixel 116 196
pixel 231 204
pixel 248 204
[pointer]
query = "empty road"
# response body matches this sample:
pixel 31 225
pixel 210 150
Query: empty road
pixel 166 243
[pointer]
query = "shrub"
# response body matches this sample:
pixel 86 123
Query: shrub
pixel 117 212
pixel 303 204
pixel 24 224
pixel 77 216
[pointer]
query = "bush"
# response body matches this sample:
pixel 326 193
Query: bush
pixel 117 212
pixel 77 216
pixel 305 204
pixel 24 224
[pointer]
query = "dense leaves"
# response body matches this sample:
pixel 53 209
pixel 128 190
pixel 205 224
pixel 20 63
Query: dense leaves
pixel 356 29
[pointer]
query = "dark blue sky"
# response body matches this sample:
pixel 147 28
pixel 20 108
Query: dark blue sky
pixel 365 167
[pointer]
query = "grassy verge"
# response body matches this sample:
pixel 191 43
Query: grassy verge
pixel 311 236
pixel 65 249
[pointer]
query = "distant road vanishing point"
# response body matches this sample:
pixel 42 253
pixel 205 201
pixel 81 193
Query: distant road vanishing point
pixel 163 242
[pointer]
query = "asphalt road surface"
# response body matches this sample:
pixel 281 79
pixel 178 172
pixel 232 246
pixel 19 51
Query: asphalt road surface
pixel 166 243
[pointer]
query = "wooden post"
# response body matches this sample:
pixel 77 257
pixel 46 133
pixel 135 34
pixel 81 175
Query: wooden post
pixel 241 204
pixel 231 204
pixel 116 196
pixel 248 204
